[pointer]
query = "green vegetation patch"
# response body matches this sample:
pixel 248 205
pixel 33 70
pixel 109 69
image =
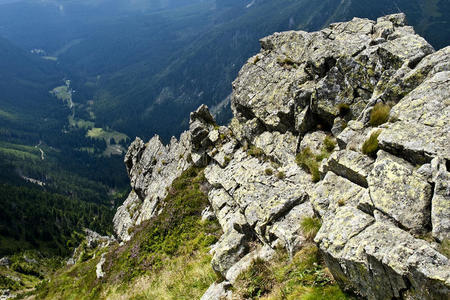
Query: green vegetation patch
pixel 310 226
pixel 106 135
pixel 167 258
pixel 80 123
pixel 303 277
pixel 370 146
pixel 310 162
pixel 445 247
pixel 63 93
pixel 379 114
pixel 7 115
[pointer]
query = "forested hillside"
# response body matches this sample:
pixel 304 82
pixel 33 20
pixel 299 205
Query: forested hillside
pixel 50 186
pixel 151 64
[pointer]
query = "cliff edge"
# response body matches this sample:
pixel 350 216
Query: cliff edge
pixel 349 125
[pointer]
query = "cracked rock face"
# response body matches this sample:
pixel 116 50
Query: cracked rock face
pixel 301 88
pixel 152 168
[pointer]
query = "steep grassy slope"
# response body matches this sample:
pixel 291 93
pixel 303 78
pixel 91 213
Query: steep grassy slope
pixel 166 259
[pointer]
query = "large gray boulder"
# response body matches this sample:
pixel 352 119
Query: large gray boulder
pixel 400 192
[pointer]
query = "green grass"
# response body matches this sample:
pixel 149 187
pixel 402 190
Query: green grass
pixel 167 257
pixel 268 171
pixel 370 146
pixel 310 226
pixel 379 114
pixel 25 274
pixel 7 115
pixel 307 160
pixel 80 123
pixel 445 247
pixel 255 152
pixel 303 277
pixel 106 135
pixel 310 162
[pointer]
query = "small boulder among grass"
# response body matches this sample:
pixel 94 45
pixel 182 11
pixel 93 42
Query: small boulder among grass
pixel 379 114
pixel 370 146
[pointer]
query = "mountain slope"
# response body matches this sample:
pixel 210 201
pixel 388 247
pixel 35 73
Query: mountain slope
pixel 200 69
pixel 331 181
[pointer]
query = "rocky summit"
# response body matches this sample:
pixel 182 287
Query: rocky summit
pixel 350 125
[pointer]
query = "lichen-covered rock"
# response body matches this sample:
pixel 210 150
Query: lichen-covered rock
pixel 123 219
pixel 400 192
pixel 351 165
pixel 421 129
pixel 334 191
pixel 301 89
pixel 300 79
pixel 287 230
pixel 440 204
pixel 265 253
pixel 152 168
pixel 218 291
pixel 231 247
pixel 381 261
pixel 282 147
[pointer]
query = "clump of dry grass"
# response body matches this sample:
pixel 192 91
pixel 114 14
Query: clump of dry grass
pixel 379 114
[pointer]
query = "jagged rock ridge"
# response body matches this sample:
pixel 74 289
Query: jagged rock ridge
pixel 300 92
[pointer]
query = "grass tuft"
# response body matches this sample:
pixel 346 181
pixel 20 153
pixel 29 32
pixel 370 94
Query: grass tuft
pixel 370 146
pixel 255 152
pixel 329 144
pixel 281 175
pixel 310 226
pixel 268 171
pixel 445 248
pixel 310 162
pixel 256 281
pixel 307 160
pixel 379 114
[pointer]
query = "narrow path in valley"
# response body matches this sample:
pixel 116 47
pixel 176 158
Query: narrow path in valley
pixel 42 151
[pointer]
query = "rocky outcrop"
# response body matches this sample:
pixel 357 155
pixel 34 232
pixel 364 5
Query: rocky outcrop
pixel 152 167
pixel 92 241
pixel 300 94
